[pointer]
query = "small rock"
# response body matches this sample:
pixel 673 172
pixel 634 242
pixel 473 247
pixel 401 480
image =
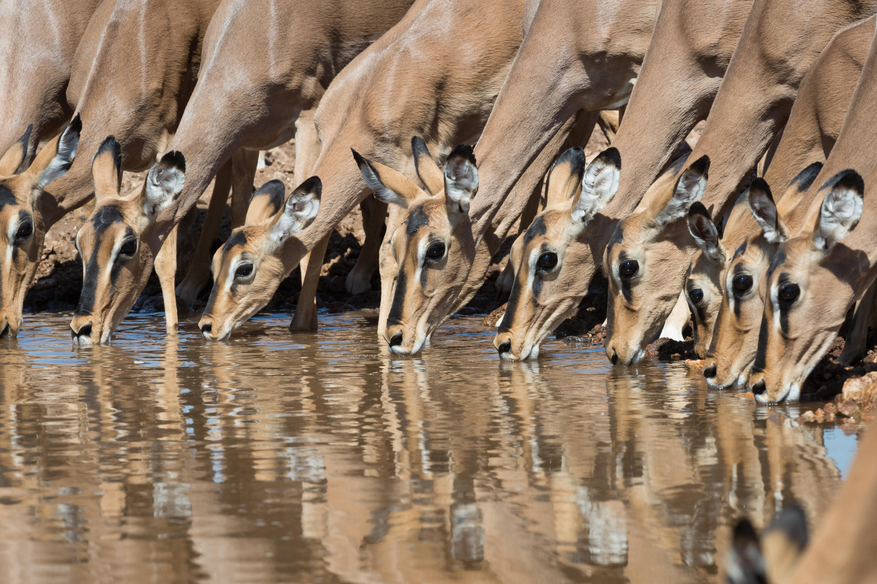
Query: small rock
pixel 861 389
pixel 695 365
pixel 492 319
pixel 807 416
pixel 819 414
pixel 829 417
pixel 848 408
pixel 830 409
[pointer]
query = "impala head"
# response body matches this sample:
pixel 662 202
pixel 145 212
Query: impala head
pixel 735 339
pixel 22 228
pixel 248 269
pixel 646 261
pixel 432 246
pixel 116 258
pixel 703 283
pixel 809 287
pixel 540 298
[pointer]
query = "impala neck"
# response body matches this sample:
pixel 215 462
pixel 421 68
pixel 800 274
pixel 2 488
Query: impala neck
pixel 776 48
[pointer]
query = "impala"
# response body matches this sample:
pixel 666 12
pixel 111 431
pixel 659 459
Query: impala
pixel 753 102
pixel 257 87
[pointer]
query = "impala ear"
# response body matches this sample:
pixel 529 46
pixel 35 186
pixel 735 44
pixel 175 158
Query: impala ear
pixel 599 185
pixel 388 185
pixel 689 189
pixel 55 159
pixel 564 180
pixel 704 232
pixel 841 209
pixel 266 202
pixel 299 211
pixel 764 210
pixel 106 169
pixel 17 157
pixel 745 562
pixel 163 183
pixel 461 179
pixel 428 171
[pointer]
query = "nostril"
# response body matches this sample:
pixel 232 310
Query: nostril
pixel 84 331
pixel 614 358
pixel 396 340
pixel 5 332
pixel 505 347
pixel 759 388
pixel 710 371
pixel 207 328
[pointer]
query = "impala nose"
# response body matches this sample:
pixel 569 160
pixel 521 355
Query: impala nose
pixel 83 332
pixel 759 387
pixel 396 340
pixel 710 371
pixel 613 357
pixel 5 332
pixel 504 347
pixel 207 328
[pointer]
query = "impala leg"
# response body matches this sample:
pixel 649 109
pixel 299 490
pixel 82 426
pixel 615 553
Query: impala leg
pixel 198 274
pixel 359 278
pixel 856 341
pixel 243 173
pixel 166 268
pixel 609 121
pixel 305 318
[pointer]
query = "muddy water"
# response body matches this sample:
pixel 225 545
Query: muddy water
pixel 319 459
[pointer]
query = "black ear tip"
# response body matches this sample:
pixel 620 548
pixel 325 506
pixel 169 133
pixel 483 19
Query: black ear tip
pixel 418 144
pixel 110 145
pixel 612 155
pixel 575 156
pixel 698 208
pixel 759 184
pixel 175 159
pixel 75 124
pixel 701 165
pixel 852 180
pixel 463 151
pixel 358 158
pixel 314 186
pixel 273 188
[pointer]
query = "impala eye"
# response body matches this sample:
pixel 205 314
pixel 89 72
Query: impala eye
pixel 128 249
pixel 244 271
pixel 741 284
pixel 788 293
pixel 696 295
pixel 547 261
pixel 435 251
pixel 628 268
pixel 25 230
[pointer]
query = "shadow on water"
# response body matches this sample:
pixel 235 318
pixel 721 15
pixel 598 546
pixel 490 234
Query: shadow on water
pixel 319 458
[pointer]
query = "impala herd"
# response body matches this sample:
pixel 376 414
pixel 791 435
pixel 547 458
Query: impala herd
pixel 761 235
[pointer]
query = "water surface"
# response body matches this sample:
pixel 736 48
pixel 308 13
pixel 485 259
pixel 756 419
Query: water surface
pixel 318 458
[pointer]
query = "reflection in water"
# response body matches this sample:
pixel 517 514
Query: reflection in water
pixel 318 458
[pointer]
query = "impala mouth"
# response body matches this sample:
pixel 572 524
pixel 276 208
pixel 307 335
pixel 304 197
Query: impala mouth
pixel 737 383
pixel 791 394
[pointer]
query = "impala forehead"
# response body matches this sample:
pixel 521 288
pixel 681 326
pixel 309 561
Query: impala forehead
pixel 7 197
pixel 106 223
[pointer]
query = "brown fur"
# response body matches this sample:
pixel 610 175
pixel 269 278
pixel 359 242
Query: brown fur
pixel 257 87
pixel 40 37
pixel 374 109
pixel 813 127
pixel 561 68
pixel 775 49
pixel 830 280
